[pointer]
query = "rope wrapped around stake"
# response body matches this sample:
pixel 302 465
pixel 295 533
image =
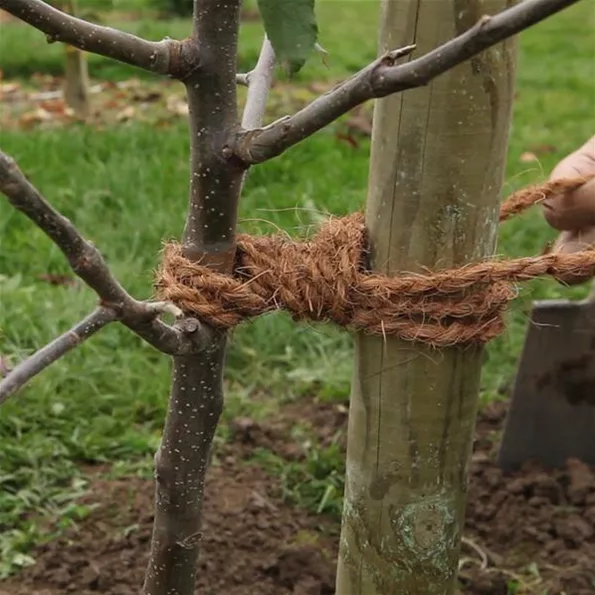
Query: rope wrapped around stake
pixel 327 279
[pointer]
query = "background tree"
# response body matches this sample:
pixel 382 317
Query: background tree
pixel 77 92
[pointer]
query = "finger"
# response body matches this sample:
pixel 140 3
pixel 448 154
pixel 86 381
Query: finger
pixel 579 163
pixel 569 242
pixel 573 211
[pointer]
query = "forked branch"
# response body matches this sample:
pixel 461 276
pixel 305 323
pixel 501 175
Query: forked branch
pixel 384 77
pixel 88 264
pixel 171 57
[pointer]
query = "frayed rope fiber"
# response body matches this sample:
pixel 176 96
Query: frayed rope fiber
pixel 327 279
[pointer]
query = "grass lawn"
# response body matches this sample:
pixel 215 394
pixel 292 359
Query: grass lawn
pixel 106 401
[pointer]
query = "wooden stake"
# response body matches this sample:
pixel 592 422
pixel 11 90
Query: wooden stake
pixel 438 157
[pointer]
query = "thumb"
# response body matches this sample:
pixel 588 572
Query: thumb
pixel 572 211
pixel 569 242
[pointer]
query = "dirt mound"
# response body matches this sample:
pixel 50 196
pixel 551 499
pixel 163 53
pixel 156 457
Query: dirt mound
pixel 535 518
pixel 533 532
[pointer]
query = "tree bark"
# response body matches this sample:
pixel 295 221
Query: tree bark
pixel 438 157
pixel 196 398
pixel 77 94
pixel 76 82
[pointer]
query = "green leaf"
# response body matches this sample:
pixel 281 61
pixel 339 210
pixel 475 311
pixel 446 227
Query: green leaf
pixel 291 27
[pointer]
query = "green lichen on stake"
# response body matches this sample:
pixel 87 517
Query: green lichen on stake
pixel 422 547
pixel 427 530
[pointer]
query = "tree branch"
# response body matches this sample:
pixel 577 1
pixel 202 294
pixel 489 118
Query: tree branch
pixel 169 56
pixel 88 264
pixel 259 84
pixel 242 79
pixel 383 77
pixel 46 356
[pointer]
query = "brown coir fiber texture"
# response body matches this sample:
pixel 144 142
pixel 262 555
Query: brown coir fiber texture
pixel 328 279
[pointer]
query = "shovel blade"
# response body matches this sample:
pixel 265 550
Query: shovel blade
pixel 552 412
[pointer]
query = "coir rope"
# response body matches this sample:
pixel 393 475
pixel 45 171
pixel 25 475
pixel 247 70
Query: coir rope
pixel 327 279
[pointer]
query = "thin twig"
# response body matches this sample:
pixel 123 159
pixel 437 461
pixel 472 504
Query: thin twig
pixel 474 546
pixel 40 360
pixel 88 264
pixel 383 77
pixel 259 84
pixel 169 56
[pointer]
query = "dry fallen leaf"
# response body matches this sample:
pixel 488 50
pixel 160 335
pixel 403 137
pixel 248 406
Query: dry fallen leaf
pixel 528 157
pixel 146 96
pixel 46 81
pixel 133 83
pixel 177 105
pixel 35 117
pixel 112 103
pixel 9 88
pixel 126 114
pixel 54 106
pixel 58 279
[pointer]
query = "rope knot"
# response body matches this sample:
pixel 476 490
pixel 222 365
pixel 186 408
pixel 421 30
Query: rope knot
pixel 327 278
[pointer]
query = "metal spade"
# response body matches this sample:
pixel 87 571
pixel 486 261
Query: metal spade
pixel 552 410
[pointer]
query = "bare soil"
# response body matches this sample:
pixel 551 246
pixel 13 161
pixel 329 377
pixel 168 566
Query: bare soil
pixel 535 530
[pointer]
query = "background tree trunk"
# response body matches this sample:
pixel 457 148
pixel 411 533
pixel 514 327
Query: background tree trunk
pixel 77 93
pixel 438 157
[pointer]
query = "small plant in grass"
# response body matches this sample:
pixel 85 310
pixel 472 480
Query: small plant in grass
pixel 315 481
pixel 223 150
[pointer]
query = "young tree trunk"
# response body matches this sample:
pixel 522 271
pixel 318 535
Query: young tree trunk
pixel 438 156
pixel 196 398
pixel 77 94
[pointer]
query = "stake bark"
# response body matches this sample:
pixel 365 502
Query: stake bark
pixel 438 156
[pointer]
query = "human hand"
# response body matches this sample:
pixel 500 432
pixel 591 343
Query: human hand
pixel 574 214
